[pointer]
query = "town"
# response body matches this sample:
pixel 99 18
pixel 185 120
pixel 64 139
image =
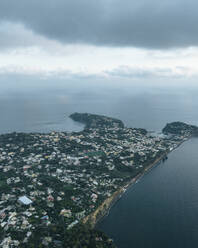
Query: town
pixel 50 183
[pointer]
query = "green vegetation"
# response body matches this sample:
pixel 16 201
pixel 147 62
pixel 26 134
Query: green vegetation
pixel 96 121
pixel 180 128
pixel 67 176
pixel 81 236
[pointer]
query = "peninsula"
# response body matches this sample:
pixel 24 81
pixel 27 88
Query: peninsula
pixel 55 187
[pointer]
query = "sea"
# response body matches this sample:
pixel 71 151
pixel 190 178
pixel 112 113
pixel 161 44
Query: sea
pixel 45 107
pixel 161 210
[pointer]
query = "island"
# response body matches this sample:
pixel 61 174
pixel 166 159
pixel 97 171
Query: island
pixel 96 121
pixel 55 187
pixel 180 128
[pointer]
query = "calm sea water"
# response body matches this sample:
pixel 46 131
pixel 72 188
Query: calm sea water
pixel 43 109
pixel 161 210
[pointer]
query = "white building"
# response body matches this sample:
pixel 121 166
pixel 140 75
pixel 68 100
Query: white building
pixel 24 200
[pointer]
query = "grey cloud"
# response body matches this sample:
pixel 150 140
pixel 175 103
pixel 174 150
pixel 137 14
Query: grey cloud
pixel 142 73
pixel 140 23
pixel 121 72
pixel 129 72
pixel 12 36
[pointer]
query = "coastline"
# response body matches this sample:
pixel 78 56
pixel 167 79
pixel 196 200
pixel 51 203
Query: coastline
pixel 81 175
pixel 96 216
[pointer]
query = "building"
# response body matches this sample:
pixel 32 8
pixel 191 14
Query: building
pixel 24 200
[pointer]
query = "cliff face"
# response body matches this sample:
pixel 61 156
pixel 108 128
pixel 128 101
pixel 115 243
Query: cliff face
pixel 100 212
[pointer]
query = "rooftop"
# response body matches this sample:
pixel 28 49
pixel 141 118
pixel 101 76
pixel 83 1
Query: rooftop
pixel 25 200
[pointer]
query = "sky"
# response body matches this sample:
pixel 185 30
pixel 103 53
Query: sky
pixel 100 39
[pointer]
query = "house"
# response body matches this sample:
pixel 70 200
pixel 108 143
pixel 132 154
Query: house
pixel 24 200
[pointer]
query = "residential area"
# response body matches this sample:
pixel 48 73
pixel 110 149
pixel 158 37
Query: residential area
pixel 59 178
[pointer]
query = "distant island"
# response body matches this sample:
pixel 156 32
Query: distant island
pixel 180 128
pixel 96 121
pixel 55 187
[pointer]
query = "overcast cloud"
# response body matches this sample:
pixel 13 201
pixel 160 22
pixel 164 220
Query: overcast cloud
pixel 99 39
pixel 144 23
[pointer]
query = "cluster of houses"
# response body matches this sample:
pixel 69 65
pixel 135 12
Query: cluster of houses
pixel 45 178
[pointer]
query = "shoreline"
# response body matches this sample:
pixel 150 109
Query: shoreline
pixel 103 209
